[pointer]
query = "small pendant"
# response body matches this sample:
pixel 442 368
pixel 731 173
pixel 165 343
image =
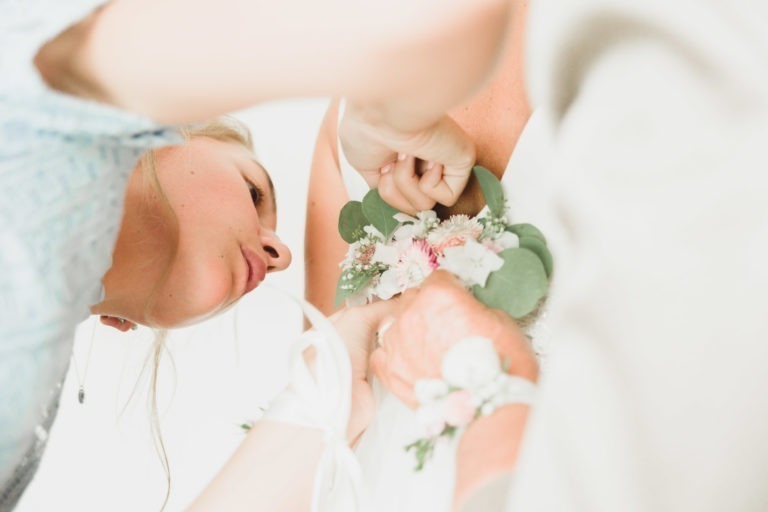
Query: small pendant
pixel 81 395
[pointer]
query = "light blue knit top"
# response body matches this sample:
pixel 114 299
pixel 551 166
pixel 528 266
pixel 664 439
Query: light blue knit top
pixel 64 163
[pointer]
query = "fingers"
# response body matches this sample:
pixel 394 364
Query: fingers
pixel 444 184
pixel 365 320
pixel 407 181
pixel 444 143
pixel 400 386
pixel 399 186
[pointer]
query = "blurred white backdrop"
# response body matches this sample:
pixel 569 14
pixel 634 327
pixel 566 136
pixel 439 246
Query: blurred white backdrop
pixel 100 454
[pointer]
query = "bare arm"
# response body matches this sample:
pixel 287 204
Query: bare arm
pixel 181 60
pixel 487 450
pixel 323 246
pixel 273 469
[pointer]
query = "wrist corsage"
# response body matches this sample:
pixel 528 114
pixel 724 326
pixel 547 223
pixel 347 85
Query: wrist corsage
pixel 474 383
pixel 505 265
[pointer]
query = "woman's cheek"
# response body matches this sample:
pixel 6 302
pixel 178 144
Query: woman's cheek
pixel 193 291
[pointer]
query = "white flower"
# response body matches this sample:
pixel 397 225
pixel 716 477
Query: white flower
pixel 471 262
pixel 388 285
pixel 485 212
pixel 507 240
pixel 362 297
pixel 386 254
pixel 501 241
pixel 431 418
pixel 471 364
pixel 428 390
pixel 373 233
pixel 404 217
pixel 415 227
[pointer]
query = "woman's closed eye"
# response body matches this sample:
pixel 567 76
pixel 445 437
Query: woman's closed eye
pixel 257 195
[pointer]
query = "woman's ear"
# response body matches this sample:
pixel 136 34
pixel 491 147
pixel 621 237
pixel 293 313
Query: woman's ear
pixel 278 254
pixel 121 324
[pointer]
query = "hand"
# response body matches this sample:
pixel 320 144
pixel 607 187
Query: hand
pixel 357 326
pixel 378 151
pixel 429 321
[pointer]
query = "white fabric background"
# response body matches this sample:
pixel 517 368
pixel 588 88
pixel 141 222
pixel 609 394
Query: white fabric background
pixel 99 456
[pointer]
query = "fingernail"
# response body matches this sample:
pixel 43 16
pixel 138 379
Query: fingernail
pixel 386 169
pixel 430 165
pixel 400 157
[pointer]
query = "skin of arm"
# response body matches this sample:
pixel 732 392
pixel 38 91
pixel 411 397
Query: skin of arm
pixel 283 484
pixel 274 468
pixel 413 349
pixel 323 246
pixel 180 61
pixel 486 450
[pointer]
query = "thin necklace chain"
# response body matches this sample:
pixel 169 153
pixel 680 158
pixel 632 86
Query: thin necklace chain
pixel 81 377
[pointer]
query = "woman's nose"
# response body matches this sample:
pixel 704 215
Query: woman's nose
pixel 278 254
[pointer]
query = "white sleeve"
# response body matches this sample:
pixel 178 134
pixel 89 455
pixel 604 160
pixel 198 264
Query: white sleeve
pixel 654 398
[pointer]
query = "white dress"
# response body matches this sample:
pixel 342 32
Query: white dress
pixel 388 470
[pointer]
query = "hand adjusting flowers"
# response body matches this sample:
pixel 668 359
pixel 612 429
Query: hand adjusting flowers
pixel 506 265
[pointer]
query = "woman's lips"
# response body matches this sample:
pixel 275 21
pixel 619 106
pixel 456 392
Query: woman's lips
pixel 257 269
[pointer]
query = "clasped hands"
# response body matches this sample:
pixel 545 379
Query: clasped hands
pixel 423 324
pixel 385 151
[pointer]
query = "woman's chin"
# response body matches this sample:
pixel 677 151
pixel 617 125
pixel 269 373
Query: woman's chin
pixel 173 318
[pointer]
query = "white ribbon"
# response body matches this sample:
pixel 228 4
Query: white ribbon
pixel 323 401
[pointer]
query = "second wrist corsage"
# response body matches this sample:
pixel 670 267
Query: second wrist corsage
pixel 474 383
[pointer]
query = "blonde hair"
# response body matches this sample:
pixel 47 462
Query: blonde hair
pixel 224 129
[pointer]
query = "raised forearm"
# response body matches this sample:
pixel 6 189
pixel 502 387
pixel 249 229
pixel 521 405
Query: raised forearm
pixel 179 61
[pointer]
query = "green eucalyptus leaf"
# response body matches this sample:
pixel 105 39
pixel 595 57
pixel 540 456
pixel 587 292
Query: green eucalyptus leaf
pixel 351 222
pixel 540 249
pixel 494 194
pixel 528 230
pixel 379 213
pixel 350 283
pixel 518 286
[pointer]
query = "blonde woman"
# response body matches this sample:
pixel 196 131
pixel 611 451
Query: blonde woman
pixel 72 71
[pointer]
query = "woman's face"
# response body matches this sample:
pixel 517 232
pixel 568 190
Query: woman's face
pixel 193 250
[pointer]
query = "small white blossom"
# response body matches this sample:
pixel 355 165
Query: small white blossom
pixel 471 262
pixel 415 227
pixel 404 217
pixel 431 418
pixel 361 298
pixel 471 364
pixel 507 240
pixel 373 233
pixel 485 212
pixel 501 241
pixel 427 390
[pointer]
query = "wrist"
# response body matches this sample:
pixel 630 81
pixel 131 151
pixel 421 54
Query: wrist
pixel 474 386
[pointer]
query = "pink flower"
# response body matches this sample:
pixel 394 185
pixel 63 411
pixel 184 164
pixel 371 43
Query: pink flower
pixel 415 264
pixel 459 408
pixel 454 232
